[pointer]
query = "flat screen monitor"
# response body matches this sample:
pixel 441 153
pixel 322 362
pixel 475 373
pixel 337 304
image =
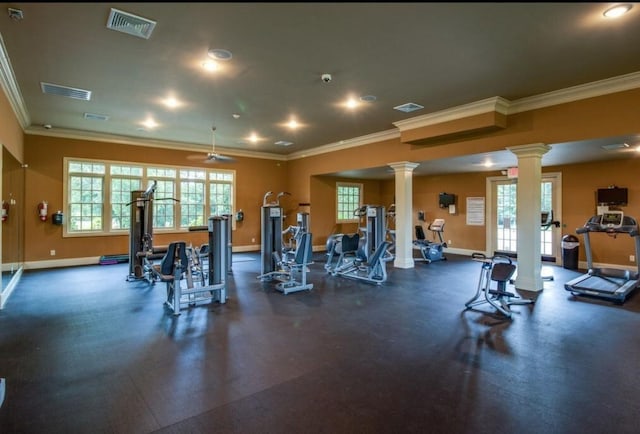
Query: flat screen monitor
pixel 446 199
pixel 615 196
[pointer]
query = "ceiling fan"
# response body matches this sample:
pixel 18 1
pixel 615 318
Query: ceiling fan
pixel 212 156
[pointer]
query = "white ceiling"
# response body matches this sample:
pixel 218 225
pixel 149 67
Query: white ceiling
pixel 439 55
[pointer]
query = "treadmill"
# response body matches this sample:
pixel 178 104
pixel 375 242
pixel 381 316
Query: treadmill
pixel 608 283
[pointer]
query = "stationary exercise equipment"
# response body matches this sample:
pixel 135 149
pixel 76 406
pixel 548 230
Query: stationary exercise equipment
pixel 431 251
pixel 271 232
pixel 141 248
pixel 293 234
pixel 141 230
pixel 350 263
pixel 497 269
pixel 186 280
pixel 608 283
pixel 289 266
pixel 372 230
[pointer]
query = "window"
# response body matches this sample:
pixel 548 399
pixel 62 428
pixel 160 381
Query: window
pixel 86 195
pixel 348 198
pixel 220 193
pixel 192 202
pixel 124 180
pixel 182 198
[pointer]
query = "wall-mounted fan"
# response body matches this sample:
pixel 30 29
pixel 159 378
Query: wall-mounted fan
pixel 213 156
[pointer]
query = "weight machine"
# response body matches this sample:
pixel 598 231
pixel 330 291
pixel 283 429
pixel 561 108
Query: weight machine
pixel 351 265
pixel 278 263
pixel 497 269
pixel 141 248
pixel 187 281
pixel 372 231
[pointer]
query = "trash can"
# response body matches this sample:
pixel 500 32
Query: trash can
pixel 570 247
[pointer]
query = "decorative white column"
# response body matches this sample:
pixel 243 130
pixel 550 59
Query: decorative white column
pixel 404 212
pixel 529 275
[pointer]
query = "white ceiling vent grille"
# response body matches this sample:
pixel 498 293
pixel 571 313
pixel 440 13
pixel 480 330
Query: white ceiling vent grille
pixel 614 146
pixel 408 107
pixel 130 24
pixel 96 117
pixel 69 92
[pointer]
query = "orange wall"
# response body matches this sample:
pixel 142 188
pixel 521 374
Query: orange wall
pixel 44 181
pixel 579 185
pixel 11 136
pixel 308 182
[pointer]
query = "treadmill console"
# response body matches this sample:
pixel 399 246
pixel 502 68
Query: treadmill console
pixel 611 219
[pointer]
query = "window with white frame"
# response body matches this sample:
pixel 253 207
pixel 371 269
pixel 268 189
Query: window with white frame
pixel 124 180
pixel 86 196
pixel 220 193
pixel 192 202
pixel 348 199
pixel 96 190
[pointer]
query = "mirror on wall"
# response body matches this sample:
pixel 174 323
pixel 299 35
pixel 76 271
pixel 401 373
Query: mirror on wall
pixel 12 216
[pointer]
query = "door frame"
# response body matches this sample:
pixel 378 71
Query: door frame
pixel 490 211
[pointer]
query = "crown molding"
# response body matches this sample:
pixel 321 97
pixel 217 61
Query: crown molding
pixel 346 144
pixel 11 88
pixel 607 86
pixel 165 144
pixel 493 104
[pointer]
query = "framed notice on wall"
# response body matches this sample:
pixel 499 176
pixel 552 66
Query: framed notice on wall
pixel 475 211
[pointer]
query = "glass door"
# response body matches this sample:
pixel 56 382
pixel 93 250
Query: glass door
pixel 504 204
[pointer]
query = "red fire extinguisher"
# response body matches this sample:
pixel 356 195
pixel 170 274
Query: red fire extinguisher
pixel 42 210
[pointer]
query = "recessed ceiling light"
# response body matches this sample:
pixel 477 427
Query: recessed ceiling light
pixel 220 54
pixel 210 65
pixel 351 103
pixel 293 124
pixel 171 102
pixel 253 138
pixel 150 123
pixel 617 10
pixel 236 116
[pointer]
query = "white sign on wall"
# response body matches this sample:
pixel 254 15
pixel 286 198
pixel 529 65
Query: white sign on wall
pixel 475 211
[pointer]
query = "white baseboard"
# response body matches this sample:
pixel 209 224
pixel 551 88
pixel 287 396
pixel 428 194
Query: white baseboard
pixel 583 266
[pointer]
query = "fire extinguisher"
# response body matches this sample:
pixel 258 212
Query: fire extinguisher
pixel 5 210
pixel 42 210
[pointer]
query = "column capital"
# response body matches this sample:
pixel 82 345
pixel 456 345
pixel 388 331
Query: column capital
pixel 403 165
pixel 531 150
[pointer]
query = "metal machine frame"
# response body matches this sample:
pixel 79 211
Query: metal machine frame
pixel 183 267
pixel 608 283
pixel 498 269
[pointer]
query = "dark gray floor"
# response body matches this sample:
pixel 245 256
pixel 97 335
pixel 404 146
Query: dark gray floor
pixel 84 351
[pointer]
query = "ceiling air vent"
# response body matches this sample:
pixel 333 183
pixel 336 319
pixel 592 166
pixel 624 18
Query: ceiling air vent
pixel 283 143
pixel 614 146
pixel 96 117
pixel 69 92
pixel 408 107
pixel 131 24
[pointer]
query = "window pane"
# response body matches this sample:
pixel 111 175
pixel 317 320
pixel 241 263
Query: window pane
pixel 220 198
pixel 163 206
pixel 86 198
pixel 121 189
pixel 191 203
pixel 348 200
